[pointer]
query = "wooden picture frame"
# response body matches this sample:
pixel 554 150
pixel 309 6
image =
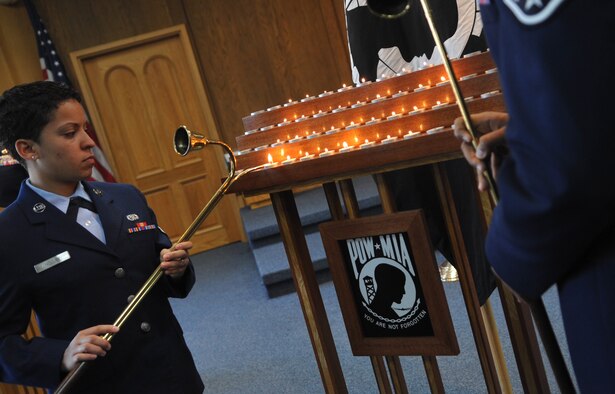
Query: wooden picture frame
pixel 407 313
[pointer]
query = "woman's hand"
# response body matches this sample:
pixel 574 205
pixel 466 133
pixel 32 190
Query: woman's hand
pixel 175 260
pixel 87 345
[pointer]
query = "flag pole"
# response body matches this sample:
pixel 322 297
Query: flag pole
pixel 554 353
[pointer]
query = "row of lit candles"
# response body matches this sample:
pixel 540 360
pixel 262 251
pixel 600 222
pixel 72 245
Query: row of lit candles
pixel 345 147
pixel 378 97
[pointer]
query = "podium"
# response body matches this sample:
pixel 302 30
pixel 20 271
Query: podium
pixel 372 128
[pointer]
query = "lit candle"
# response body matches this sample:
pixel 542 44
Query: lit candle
pixel 277 143
pixel 421 87
pixel 358 104
pixel 338 109
pixel 332 131
pixel 400 93
pixel 346 147
pixel 289 160
pixel 325 93
pixel 270 163
pixel 251 131
pixel 416 110
pixel 352 125
pixel 389 139
pixel 491 70
pixel 344 87
pixel 305 157
pixel 411 134
pixel 261 147
pixel 313 135
pixel 442 82
pixel 302 118
pixel 393 116
pixel 290 102
pixel 367 144
pixel 284 123
pixel 307 98
pixel 297 138
pixel 471 54
pixel 275 107
pixel 374 120
pixel 378 98
pixel 440 105
pixel 320 113
pixel 266 128
pixel 326 152
pixel 257 112
pixel 435 130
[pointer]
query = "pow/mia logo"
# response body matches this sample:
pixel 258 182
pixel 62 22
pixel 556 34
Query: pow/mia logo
pixel 533 12
pixel 385 281
pixel 39 207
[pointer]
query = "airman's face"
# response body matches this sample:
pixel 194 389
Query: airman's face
pixel 63 153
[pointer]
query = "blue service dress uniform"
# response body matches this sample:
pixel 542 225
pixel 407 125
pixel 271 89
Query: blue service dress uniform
pixel 90 284
pixel 555 222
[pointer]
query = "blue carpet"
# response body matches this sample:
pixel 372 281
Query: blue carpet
pixel 245 342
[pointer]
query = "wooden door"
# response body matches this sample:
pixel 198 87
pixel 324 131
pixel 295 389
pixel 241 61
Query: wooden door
pixel 138 91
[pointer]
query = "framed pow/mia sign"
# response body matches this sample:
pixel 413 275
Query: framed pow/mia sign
pixel 388 286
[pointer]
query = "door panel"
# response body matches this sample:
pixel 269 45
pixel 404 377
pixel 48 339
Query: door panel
pixel 138 91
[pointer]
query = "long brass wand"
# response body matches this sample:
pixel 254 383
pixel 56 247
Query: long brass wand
pixel 184 142
pixel 539 311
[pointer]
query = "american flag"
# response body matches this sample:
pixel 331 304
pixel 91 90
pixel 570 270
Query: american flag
pixel 53 70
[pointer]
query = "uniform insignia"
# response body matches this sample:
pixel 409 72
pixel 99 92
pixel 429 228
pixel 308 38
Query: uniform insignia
pixel 141 226
pixel 533 12
pixel 51 262
pixel 132 217
pixel 39 207
pixel 98 192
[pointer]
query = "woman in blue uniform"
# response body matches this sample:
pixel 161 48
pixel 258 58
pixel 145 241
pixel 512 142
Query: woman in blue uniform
pixel 78 266
pixel 555 222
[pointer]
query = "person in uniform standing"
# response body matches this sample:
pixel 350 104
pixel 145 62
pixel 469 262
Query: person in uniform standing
pixel 76 252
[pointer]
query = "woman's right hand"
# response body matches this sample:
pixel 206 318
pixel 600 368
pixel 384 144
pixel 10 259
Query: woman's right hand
pixel 87 345
pixel 490 128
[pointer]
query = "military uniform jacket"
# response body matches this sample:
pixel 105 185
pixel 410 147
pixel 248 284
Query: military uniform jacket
pixel 555 222
pixel 82 283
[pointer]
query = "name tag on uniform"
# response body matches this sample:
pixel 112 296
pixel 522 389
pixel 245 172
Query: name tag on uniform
pixel 52 262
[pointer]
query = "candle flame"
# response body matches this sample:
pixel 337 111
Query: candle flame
pixel 288 157
pixel 282 152
pixel 442 78
pixel 345 144
pixel 269 158
pixel 416 108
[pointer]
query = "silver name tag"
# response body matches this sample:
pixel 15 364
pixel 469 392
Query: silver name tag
pixel 52 262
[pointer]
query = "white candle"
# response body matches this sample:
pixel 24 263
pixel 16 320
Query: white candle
pixel 465 77
pixel 326 152
pixel 367 144
pixel 344 87
pixel 442 82
pixel 416 110
pixel 358 104
pixel 283 123
pixel 289 160
pixel 278 143
pixel 251 131
pixel 270 163
pixel 346 147
pixel 378 98
pixel 297 138
pixel 491 70
pixel 421 87
pixel 400 93
pixel 440 105
pixel 290 102
pixel 389 139
pixel 313 135
pixel 471 54
pixel 257 112
pixel 266 128
pixel 352 125
pixel 435 130
pixel 374 120
pixel 332 131
pixel 393 116
pixel 305 157
pixel 275 107
pixel 261 147
pixel 307 98
pixel 489 94
pixel 325 93
pixel 411 134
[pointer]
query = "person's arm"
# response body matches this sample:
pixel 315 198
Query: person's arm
pixel 491 131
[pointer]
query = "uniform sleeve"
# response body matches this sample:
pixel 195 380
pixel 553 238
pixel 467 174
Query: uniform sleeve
pixel 34 362
pixel 556 205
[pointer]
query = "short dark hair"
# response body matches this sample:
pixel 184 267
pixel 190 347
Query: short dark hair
pixel 26 109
